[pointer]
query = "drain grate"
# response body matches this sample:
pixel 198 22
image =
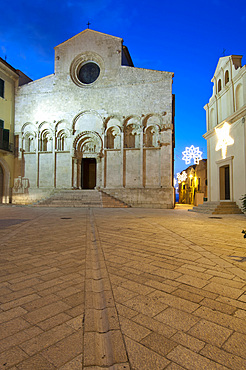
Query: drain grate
pixel 238 258
pixel 66 218
pixel 218 218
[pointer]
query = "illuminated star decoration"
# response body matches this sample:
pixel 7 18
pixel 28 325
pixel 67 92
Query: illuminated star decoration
pixel 224 139
pixel 181 176
pixel 190 153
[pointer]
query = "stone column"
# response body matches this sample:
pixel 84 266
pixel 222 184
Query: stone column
pixel 37 160
pixel 141 157
pixel 122 159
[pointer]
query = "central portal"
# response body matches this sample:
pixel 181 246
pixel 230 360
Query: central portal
pixel 88 173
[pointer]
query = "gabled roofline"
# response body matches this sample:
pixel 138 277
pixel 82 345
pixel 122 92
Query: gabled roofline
pixel 89 30
pixel 228 57
pixel 7 65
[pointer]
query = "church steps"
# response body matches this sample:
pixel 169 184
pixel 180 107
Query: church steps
pixel 217 208
pixel 81 199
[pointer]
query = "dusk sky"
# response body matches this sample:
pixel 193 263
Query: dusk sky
pixel 184 37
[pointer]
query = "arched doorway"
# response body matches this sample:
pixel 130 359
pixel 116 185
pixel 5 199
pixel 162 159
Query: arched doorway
pixel 88 173
pixel 1 184
pixel 87 160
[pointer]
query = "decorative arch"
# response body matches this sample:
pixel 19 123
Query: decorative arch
pixel 31 128
pixel 46 140
pixel 151 136
pixel 88 142
pixel 113 137
pixel 62 124
pixel 132 127
pixel 89 118
pixel 152 119
pixel 29 134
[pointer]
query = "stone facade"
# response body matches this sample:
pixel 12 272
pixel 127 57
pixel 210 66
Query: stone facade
pixel 226 132
pixel 97 122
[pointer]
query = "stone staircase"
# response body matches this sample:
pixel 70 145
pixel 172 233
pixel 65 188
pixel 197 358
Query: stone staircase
pixel 81 199
pixel 217 208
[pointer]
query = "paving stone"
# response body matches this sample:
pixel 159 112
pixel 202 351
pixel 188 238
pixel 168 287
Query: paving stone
pixel 154 325
pixel 11 357
pixel 218 306
pixel 125 311
pixel 229 360
pixel 65 350
pixel 188 341
pixel 122 294
pixel 46 339
pixel 75 364
pixel 224 290
pixel 177 319
pixel 35 362
pixel 190 359
pixel 173 301
pixel 146 305
pixel 143 358
pixel 13 326
pixel 205 330
pixel 236 344
pixel 158 343
pixel 222 319
pixel 132 329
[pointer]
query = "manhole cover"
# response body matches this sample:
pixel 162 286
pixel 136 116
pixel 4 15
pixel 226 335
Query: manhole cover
pixel 66 218
pixel 218 218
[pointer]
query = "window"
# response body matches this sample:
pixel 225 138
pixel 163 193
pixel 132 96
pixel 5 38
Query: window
pixel 1 88
pixel 227 77
pixel 1 123
pixel 219 85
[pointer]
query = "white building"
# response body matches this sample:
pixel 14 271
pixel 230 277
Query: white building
pixel 97 122
pixel 226 132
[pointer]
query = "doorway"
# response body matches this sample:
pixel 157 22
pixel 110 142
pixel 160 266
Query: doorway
pixel 88 173
pixel 225 183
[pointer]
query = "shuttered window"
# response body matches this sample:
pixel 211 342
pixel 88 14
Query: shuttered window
pixel 1 88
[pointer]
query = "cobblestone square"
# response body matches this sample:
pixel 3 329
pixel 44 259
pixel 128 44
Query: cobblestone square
pixel 123 288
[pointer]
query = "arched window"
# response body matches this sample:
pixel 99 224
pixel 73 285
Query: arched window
pixel 227 79
pixel 45 143
pixel 219 85
pixel 151 137
pixel 129 137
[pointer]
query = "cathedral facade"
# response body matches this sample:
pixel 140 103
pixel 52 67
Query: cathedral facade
pixel 97 122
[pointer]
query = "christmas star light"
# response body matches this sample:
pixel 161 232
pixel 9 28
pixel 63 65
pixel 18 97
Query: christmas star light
pixel 181 176
pixel 190 153
pixel 224 139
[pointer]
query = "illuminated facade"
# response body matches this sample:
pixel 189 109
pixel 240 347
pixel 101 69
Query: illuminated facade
pixel 97 122
pixel 226 132
pixel 193 185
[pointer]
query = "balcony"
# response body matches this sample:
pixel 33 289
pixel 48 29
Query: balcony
pixel 4 140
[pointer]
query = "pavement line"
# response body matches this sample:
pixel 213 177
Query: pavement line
pixel 103 341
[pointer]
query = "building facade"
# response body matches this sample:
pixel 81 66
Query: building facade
pixel 97 122
pixel 226 132
pixel 193 184
pixel 8 82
